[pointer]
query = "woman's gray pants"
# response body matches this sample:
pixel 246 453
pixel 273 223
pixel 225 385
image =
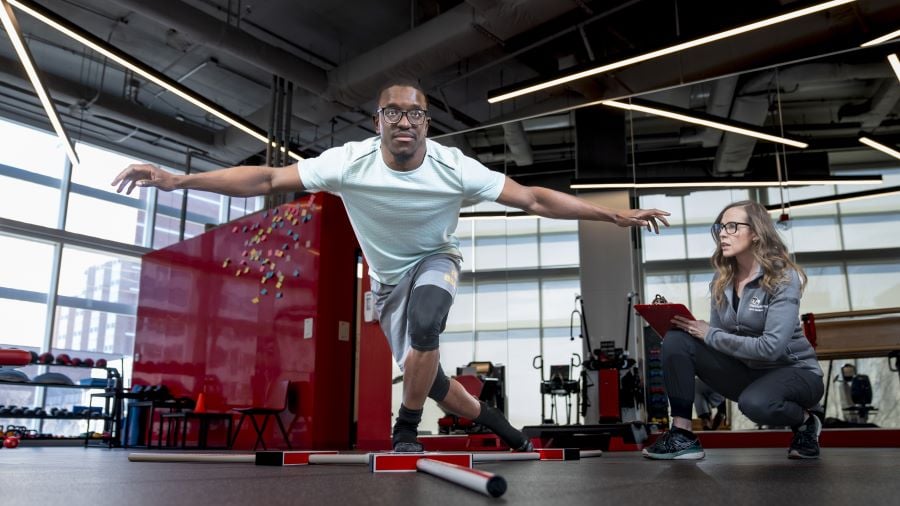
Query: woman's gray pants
pixel 776 397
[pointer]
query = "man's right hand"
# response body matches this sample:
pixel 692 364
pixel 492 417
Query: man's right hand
pixel 144 175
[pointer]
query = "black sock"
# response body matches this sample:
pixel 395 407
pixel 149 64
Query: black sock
pixel 493 419
pixel 407 425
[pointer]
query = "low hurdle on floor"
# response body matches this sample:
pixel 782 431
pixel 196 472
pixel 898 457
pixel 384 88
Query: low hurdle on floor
pixel 455 467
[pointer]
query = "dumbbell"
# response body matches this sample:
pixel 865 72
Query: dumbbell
pixel 11 442
pixel 88 362
pixel 45 358
pixel 101 363
pixel 76 362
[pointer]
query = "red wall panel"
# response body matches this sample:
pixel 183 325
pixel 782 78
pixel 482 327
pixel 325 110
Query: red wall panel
pixel 373 390
pixel 228 313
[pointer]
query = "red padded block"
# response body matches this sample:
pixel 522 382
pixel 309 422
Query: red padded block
pixel 406 462
pixel 287 458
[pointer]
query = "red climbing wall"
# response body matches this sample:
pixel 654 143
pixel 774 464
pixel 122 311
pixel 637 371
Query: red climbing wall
pixel 267 297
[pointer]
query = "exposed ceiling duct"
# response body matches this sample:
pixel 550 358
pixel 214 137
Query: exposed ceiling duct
pixel 462 31
pixel 721 97
pixel 871 113
pixel 204 29
pixel 753 101
pixel 337 53
pixel 517 142
pixel 119 109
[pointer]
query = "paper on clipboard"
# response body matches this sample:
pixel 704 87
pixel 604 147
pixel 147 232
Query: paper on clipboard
pixel 659 316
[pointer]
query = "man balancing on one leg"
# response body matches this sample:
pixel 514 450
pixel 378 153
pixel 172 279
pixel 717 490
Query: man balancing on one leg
pixel 403 194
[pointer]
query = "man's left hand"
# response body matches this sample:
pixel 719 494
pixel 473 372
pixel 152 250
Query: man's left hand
pixel 649 218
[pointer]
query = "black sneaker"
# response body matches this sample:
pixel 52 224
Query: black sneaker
pixel 675 445
pixel 805 444
pixel 526 447
pixel 406 447
pixel 404 438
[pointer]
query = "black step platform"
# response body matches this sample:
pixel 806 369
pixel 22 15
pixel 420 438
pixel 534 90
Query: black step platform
pixel 587 436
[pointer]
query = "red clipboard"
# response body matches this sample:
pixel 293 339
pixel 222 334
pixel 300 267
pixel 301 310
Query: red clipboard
pixel 659 316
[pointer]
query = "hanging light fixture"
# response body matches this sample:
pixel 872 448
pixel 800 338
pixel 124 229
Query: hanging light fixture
pixel 835 199
pixel 11 25
pixel 669 50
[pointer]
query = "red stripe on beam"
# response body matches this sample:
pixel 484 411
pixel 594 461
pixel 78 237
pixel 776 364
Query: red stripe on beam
pixel 401 462
pixel 287 458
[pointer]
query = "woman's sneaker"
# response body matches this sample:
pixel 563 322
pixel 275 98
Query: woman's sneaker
pixel 676 444
pixel 805 444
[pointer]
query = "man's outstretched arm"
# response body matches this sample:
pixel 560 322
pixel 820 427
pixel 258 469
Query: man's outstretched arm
pixel 553 204
pixel 240 181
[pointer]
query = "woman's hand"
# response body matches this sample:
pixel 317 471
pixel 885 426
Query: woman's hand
pixel 696 328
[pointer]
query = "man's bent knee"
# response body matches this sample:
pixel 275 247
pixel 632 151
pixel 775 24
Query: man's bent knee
pixel 427 314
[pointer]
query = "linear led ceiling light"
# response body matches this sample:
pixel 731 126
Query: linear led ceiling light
pixel 11 25
pixel 669 50
pixel 895 64
pixel 883 38
pixel 704 122
pixel 835 199
pixel 139 68
pixel 880 147
pixel 588 184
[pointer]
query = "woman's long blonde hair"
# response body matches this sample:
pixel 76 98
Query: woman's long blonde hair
pixel 768 250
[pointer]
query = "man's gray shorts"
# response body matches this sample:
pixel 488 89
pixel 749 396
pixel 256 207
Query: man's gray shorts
pixel 391 301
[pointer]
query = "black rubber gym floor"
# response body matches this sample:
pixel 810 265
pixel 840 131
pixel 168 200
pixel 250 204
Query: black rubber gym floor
pixel 99 477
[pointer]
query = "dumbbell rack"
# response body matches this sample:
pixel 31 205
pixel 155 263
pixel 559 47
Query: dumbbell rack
pixel 112 410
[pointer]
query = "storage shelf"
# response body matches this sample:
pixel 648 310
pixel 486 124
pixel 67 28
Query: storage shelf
pixel 112 409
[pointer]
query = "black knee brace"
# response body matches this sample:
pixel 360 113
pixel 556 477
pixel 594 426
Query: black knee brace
pixel 440 387
pixel 427 315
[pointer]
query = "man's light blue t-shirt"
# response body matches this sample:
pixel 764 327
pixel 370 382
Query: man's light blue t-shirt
pixel 400 217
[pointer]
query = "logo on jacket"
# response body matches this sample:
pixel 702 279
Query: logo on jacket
pixel 757 305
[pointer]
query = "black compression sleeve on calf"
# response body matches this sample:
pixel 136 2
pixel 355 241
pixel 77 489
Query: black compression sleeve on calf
pixel 493 419
pixel 407 425
pixel 440 387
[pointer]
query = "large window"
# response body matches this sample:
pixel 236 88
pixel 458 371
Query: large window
pixel 31 168
pixel 73 289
